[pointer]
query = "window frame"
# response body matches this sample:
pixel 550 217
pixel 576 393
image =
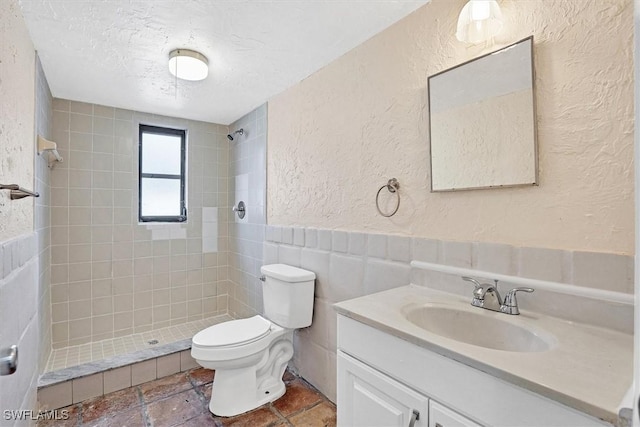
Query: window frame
pixel 158 130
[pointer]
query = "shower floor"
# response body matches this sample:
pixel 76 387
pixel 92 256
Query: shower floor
pixel 67 357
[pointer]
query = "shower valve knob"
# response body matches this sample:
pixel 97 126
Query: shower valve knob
pixel 240 209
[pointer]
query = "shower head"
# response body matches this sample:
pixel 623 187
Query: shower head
pixel 239 131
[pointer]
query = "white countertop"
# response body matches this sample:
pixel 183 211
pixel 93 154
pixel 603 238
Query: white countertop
pixel 588 368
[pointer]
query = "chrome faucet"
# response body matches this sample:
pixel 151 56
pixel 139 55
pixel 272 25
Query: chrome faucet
pixel 486 295
pixel 510 305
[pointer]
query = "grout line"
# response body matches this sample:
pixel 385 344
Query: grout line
pixel 306 408
pixel 80 417
pixel 143 407
pixel 277 413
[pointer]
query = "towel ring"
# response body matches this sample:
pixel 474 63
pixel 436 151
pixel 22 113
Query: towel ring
pixel 393 186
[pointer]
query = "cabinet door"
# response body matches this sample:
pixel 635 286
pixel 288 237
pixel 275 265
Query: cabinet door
pixel 439 416
pixel 368 398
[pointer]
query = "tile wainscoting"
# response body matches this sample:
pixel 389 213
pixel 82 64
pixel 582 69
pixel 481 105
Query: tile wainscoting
pixel 19 321
pixel 80 389
pixel 350 264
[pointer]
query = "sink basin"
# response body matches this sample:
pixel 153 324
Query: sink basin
pixel 482 328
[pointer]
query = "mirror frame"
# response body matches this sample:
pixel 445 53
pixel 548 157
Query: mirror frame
pixel 536 181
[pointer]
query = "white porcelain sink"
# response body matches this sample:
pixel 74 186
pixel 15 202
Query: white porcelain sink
pixel 481 328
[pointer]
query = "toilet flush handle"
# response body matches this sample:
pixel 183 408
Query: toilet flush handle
pixel 262 278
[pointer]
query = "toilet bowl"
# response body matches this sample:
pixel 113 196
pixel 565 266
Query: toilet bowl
pixel 250 355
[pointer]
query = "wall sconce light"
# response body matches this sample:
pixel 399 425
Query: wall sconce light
pixel 188 64
pixel 479 21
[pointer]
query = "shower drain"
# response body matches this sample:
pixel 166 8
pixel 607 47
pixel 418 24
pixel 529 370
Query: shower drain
pixel 153 342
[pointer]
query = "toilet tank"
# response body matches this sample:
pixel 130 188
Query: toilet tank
pixel 288 295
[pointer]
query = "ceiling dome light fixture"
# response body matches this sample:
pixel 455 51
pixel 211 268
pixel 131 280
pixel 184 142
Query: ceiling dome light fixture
pixel 479 21
pixel 188 64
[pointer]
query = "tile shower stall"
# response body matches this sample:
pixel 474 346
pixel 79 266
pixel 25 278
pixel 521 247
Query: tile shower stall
pixel 117 285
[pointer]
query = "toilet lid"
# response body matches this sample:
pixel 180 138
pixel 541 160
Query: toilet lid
pixel 233 332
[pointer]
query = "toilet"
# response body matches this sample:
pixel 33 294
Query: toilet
pixel 250 355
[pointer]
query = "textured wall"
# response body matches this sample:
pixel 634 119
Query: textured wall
pixel 336 137
pixel 17 98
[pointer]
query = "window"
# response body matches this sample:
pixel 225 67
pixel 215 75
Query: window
pixel 161 179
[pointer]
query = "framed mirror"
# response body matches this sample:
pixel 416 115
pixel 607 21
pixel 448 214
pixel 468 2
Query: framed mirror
pixel 482 123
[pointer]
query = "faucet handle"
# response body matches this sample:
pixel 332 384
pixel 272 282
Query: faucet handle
pixel 478 291
pixel 510 305
pixel 472 280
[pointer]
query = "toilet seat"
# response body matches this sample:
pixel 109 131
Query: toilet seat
pixel 235 339
pixel 233 332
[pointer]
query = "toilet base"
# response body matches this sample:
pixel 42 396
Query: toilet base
pixel 230 397
pixel 236 391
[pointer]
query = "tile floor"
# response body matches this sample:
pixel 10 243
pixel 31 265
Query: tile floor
pixel 183 399
pixel 66 357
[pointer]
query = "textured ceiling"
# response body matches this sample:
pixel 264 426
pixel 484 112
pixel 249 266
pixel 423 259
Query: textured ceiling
pixel 115 52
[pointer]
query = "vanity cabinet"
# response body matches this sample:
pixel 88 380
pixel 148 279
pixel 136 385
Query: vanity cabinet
pixel 368 398
pixel 382 379
pixel 441 416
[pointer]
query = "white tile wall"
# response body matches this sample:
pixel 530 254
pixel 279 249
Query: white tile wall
pixel 339 241
pixel 317 261
pixel 425 250
pixel 247 171
pixel 357 243
pixel 298 236
pixel 543 264
pixel 377 245
pixel 494 257
pixel 19 319
pixel 399 248
pixel 287 235
pixel 346 277
pixel 349 265
pixel 289 255
pixel 593 269
pixel 310 237
pixel 324 239
pixel 457 254
pixel 381 275
pixel 111 276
